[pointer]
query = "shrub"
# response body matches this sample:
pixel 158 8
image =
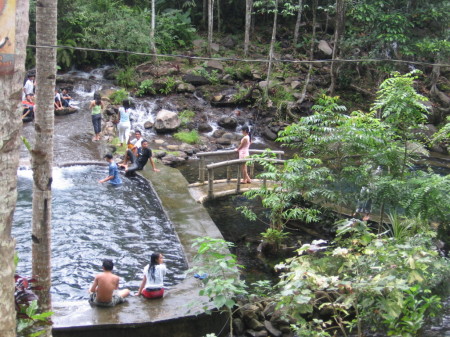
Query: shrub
pixel 146 88
pixel 191 137
pixel 186 116
pixel 127 78
pixel 118 96
pixel 173 30
pixel 169 86
pixel 212 76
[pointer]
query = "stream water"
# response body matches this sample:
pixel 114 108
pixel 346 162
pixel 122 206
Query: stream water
pixel 93 221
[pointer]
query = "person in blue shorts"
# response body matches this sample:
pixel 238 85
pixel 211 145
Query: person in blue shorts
pixel 113 175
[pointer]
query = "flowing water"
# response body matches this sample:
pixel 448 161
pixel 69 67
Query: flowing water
pixel 92 221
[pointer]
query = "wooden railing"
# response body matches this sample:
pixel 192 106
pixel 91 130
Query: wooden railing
pixel 230 154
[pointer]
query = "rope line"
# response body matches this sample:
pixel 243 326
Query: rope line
pixel 119 51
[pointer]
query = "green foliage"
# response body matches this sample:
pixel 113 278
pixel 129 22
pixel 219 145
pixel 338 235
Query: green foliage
pixel 169 86
pixel 127 78
pixel 190 137
pixel 186 116
pixel 274 236
pixel 146 88
pixel 279 94
pixel 212 76
pixel 383 283
pixel 443 135
pixel 174 30
pixel 33 317
pixel 118 96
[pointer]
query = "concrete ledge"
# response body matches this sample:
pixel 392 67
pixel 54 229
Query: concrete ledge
pixel 165 317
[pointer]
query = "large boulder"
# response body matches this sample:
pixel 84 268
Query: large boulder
pixel 325 47
pixel 215 65
pixel 166 121
pixel 195 79
pixel 204 127
pixel 185 87
pixel 227 122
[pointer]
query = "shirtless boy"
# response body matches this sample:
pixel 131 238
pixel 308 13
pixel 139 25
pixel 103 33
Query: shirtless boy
pixel 104 291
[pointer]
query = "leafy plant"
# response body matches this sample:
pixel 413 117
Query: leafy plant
pixel 219 274
pixel 274 236
pixel 146 88
pixel 169 86
pixel 127 78
pixel 190 137
pixel 186 116
pixel 118 96
pixel 212 77
pixel 174 30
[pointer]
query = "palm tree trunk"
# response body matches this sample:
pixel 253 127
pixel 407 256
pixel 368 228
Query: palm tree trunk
pixel 298 22
pixel 42 153
pixel 272 44
pixel 11 77
pixel 248 20
pixel 210 25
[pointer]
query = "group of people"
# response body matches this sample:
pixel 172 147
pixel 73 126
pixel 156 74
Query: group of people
pixel 28 98
pixel 62 99
pixel 105 292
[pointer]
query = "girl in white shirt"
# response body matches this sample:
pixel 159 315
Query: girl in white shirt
pixel 152 285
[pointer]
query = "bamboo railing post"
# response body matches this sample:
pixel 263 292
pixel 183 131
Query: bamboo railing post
pixel 228 172
pixel 252 170
pixel 238 184
pixel 211 183
pixel 265 182
pixel 201 170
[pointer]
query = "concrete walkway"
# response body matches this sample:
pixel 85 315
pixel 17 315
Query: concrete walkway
pixel 140 317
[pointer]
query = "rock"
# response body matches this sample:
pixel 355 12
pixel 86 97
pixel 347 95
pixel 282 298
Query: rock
pixel 223 141
pixel 227 122
pixel 256 76
pixel 286 329
pixel 204 127
pixel 173 147
pixel 159 141
pixel 65 111
pixel 253 333
pixel 110 111
pixel 199 43
pixel 110 74
pixel 288 57
pixel 269 134
pixel 160 154
pixel 253 324
pixel 148 125
pixel 218 133
pixel 215 47
pixel 238 326
pixel 166 121
pixel 325 47
pixel 173 160
pixel 228 42
pixel 218 98
pixel 195 79
pixel 295 84
pixel 272 330
pixel 187 148
pixel 229 135
pixel 215 65
pixel 263 84
pixel 269 310
pixel 185 87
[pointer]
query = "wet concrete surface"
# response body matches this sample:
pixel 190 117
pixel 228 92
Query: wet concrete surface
pixel 169 316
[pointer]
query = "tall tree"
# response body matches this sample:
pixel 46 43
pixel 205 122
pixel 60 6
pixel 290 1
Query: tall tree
pixel 42 153
pixel 248 21
pixel 152 32
pixel 210 25
pixel 13 21
pixel 338 33
pixel 298 22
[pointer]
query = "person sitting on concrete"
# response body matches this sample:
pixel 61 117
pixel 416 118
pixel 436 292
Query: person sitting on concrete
pixel 137 164
pixel 152 285
pixel 65 98
pixel 113 174
pixel 104 291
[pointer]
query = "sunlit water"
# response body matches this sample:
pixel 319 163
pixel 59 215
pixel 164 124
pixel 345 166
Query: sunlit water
pixel 92 221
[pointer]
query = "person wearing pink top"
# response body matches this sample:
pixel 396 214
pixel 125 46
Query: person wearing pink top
pixel 243 153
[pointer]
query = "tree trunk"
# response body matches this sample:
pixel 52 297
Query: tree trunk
pixel 12 69
pixel 248 21
pixel 42 153
pixel 218 16
pixel 298 22
pixel 311 53
pixel 205 14
pixel 210 25
pixel 272 44
pixel 339 30
pixel 152 33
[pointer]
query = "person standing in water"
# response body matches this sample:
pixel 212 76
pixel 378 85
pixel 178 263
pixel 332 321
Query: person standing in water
pixel 124 125
pixel 96 108
pixel 243 150
pixel 113 175
pixel 152 285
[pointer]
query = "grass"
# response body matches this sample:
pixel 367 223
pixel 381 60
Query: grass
pixel 119 149
pixel 190 137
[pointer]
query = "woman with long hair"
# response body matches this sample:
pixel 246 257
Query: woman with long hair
pixel 152 285
pixel 96 108
pixel 243 150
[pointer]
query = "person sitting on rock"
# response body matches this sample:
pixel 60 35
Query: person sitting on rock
pixel 104 292
pixel 137 164
pixel 65 98
pixel 58 104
